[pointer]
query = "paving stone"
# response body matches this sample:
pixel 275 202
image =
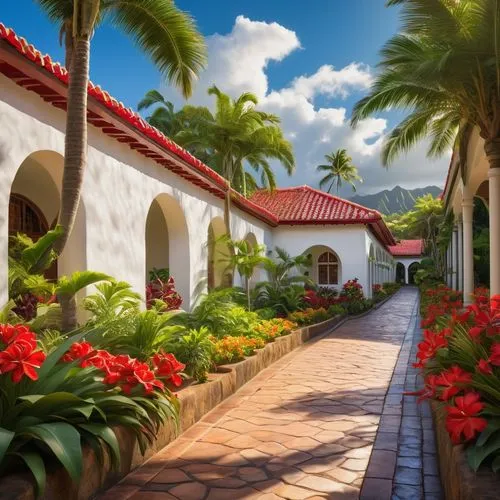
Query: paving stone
pixel 376 489
pixel 171 476
pixel 406 475
pixel 382 464
pixel 189 491
pixel 407 492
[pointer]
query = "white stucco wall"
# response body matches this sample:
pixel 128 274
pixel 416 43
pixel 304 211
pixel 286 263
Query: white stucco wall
pixel 346 241
pixel 407 262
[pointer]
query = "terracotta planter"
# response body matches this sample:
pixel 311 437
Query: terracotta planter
pixel 459 481
pixel 195 402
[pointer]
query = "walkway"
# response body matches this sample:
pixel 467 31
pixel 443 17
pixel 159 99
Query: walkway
pixel 326 421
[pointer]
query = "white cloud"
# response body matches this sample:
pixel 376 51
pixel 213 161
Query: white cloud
pixel 238 62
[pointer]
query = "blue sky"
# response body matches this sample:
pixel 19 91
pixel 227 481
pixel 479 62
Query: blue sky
pixel 335 33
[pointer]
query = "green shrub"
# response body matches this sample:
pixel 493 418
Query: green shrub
pixel 266 313
pixel 195 350
pixel 336 310
pixel 358 306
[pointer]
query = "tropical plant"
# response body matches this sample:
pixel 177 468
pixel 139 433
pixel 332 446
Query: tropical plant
pixel 271 329
pixel 444 67
pixel 114 307
pixel 283 300
pixel 153 331
pixel 66 289
pixel 163 292
pixel 309 316
pixel 238 135
pixel 195 350
pixel 49 408
pixel 245 258
pixel 338 169
pixel 159 28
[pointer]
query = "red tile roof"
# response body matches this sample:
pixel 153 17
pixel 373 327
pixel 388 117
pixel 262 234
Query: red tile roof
pixel 408 248
pixel 305 205
pixel 32 70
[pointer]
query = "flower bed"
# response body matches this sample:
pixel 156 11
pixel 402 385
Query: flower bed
pixel 460 361
pixel 194 402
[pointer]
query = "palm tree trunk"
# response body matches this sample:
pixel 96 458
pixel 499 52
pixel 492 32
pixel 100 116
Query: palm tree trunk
pixel 248 294
pixel 75 150
pixel 68 312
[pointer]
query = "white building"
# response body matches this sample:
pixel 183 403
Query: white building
pixel 148 203
pixel 407 254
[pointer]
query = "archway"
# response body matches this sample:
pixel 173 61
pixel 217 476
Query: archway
pixel 217 255
pixel 400 273
pixel 167 244
pixel 412 269
pixel 326 267
pixel 34 208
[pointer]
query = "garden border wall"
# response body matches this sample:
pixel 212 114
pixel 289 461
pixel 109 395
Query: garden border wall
pixel 195 401
pixel 459 481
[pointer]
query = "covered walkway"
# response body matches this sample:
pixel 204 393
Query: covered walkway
pixel 327 421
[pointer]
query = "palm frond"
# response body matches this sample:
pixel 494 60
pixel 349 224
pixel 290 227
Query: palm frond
pixel 166 34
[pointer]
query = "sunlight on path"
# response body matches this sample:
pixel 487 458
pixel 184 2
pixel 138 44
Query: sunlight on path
pixel 303 428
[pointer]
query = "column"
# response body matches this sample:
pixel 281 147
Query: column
pixel 407 277
pixel 455 258
pixel 460 236
pixel 468 252
pixel 494 206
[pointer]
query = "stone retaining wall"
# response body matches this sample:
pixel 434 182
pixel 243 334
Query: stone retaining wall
pixel 195 401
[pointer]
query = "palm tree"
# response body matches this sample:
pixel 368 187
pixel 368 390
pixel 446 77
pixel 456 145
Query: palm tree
pixel 245 258
pixel 236 135
pixel 338 169
pixel 445 68
pixel 168 35
pixel 164 117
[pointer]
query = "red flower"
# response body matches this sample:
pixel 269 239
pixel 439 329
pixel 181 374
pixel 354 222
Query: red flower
pixel 429 390
pixel 168 367
pixel 449 379
pixel 429 347
pixel 494 358
pixel 484 367
pixel 21 359
pixel 78 350
pixel 462 418
pixel 8 333
pixel 495 305
pixel 484 321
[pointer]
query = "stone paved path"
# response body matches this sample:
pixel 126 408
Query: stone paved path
pixel 323 422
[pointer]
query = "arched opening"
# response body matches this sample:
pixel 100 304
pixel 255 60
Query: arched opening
pixel 326 267
pixel 412 269
pixel 400 273
pixel 217 255
pixel 34 208
pixel 481 237
pixel 167 244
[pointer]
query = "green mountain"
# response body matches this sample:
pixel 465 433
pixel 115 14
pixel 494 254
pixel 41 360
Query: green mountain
pixel 396 200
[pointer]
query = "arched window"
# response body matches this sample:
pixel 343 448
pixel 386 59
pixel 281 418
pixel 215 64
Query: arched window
pixel 328 269
pixel 25 217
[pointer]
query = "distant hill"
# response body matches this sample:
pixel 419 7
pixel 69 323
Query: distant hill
pixel 396 200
